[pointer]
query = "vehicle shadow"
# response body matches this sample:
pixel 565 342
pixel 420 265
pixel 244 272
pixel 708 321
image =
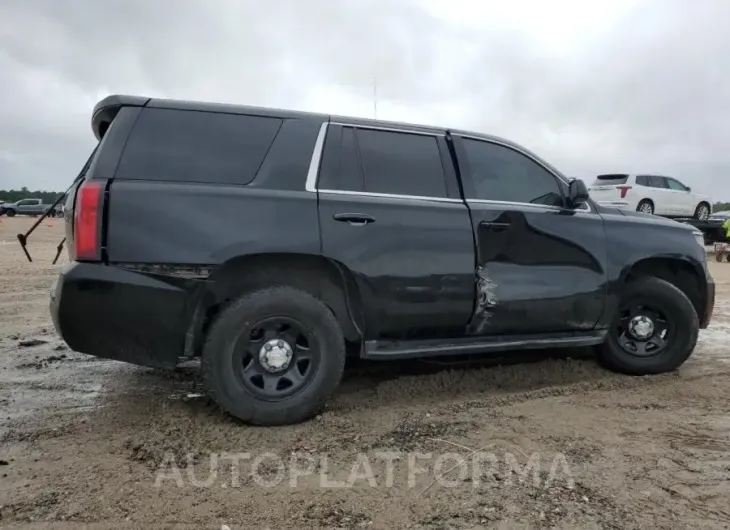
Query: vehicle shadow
pixel 368 383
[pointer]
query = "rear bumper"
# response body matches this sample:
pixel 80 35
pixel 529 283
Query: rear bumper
pixel 117 314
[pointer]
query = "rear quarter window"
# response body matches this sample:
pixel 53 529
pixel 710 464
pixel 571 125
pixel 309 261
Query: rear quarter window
pixel 192 146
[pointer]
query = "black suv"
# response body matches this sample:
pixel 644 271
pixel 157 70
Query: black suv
pixel 270 243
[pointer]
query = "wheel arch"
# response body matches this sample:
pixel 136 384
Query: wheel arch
pixel 327 279
pixel 706 203
pixel 682 273
pixel 647 199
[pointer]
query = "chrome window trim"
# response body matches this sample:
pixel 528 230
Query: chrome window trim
pixel 391 196
pixel 389 129
pixel 587 209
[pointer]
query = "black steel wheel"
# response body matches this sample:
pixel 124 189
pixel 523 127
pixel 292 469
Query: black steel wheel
pixel 277 359
pixel 655 329
pixel 642 330
pixel 273 356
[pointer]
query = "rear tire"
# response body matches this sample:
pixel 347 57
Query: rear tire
pixel 702 212
pixel 667 307
pixel 645 206
pixel 238 361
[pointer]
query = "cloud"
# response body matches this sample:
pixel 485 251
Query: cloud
pixel 592 87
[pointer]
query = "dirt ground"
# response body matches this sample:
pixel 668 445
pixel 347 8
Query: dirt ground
pixel 547 440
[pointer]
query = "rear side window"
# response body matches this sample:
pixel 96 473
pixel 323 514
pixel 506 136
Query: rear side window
pixel 659 182
pixel 401 163
pixel 611 180
pixel 651 181
pixel 341 169
pixel 190 146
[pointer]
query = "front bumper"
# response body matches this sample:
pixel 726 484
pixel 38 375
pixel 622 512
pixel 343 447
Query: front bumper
pixel 117 314
pixel 706 316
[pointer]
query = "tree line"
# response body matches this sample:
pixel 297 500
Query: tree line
pixel 48 197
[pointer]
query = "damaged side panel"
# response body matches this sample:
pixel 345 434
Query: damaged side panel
pixel 486 299
pixel 538 271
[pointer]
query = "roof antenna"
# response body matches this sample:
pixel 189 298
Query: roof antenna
pixel 375 98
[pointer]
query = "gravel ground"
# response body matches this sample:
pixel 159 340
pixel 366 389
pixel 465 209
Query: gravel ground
pixel 547 440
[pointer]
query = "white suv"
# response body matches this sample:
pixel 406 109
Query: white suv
pixel 653 194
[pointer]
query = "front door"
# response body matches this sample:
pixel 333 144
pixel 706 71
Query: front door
pixel 391 212
pixel 682 198
pixel 542 267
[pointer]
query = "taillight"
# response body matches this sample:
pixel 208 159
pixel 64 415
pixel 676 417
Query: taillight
pixel 623 190
pixel 87 212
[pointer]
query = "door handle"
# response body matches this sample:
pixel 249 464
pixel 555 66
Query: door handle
pixel 354 219
pixel 497 226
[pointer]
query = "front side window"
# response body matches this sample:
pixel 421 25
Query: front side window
pixel 675 185
pixel 503 174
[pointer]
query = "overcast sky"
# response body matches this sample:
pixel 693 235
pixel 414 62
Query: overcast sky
pixel 592 86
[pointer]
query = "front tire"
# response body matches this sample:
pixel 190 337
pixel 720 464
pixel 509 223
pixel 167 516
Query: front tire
pixel 654 332
pixel 702 212
pixel 10 213
pixel 273 356
pixel 645 206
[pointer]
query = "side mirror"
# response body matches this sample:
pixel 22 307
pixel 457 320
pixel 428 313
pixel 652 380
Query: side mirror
pixel 577 193
pixel 688 188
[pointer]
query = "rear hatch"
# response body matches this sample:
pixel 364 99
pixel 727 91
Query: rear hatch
pixel 610 187
pixel 86 199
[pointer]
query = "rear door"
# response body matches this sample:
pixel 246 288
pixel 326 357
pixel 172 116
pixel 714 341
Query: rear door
pixel 542 266
pixel 390 210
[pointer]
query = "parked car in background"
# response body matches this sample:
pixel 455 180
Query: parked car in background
pixel 29 207
pixel 653 194
pixel 719 217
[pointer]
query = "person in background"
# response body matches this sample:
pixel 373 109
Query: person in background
pixel 726 227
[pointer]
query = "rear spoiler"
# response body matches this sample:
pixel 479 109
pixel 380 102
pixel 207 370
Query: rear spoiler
pixel 105 111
